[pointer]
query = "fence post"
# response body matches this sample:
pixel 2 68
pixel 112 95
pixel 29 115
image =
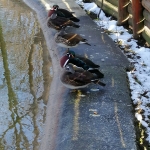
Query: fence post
pixel 123 13
pixel 137 18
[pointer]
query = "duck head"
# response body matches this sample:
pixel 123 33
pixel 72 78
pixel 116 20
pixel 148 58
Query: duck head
pixel 55 7
pixel 64 64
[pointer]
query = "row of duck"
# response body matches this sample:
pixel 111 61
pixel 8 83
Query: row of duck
pixel 78 71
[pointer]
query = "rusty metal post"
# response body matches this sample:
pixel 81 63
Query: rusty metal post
pixel 137 18
pixel 123 13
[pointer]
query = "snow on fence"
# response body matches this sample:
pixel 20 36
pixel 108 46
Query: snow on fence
pixel 134 12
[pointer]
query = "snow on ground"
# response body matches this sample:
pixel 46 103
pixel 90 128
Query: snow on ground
pixel 139 77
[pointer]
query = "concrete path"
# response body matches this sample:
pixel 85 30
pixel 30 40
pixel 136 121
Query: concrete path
pixel 85 119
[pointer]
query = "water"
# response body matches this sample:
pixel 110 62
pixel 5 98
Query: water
pixel 24 77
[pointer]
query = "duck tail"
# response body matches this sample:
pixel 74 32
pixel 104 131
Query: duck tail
pixel 97 72
pixel 97 66
pixel 85 42
pixel 97 81
pixel 101 83
pixel 76 26
pixel 74 19
pixel 88 44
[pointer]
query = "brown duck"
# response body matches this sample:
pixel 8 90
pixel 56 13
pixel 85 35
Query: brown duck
pixel 56 22
pixel 65 13
pixel 69 40
pixel 79 79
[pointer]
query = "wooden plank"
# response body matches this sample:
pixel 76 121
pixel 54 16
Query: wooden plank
pixel 147 23
pixel 130 15
pixel 146 4
pixel 130 22
pixel 108 8
pixel 146 15
pixel 123 13
pixel 138 21
pixel 146 34
pixel 113 2
pixel 130 8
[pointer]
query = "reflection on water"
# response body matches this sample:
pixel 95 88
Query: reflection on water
pixel 24 77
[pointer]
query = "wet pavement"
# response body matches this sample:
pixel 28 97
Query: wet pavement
pixel 94 118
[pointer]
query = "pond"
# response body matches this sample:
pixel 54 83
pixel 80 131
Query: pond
pixel 25 77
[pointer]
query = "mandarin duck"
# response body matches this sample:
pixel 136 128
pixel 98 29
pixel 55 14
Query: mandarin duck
pixel 88 65
pixel 57 23
pixel 65 13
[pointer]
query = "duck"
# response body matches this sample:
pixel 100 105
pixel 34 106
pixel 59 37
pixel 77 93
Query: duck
pixel 89 62
pixel 85 64
pixel 69 40
pixel 65 13
pixel 79 79
pixel 57 23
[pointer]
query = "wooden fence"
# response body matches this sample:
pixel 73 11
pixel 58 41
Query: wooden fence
pixel 136 13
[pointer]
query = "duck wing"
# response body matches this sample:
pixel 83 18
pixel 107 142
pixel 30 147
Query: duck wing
pixel 71 39
pixel 50 24
pixel 79 78
pixel 74 39
pixel 70 79
pixel 64 13
pixel 97 81
pixel 63 22
pixel 67 14
pixel 88 61
pixel 97 72
pixel 82 75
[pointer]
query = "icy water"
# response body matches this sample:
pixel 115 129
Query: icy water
pixel 25 77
